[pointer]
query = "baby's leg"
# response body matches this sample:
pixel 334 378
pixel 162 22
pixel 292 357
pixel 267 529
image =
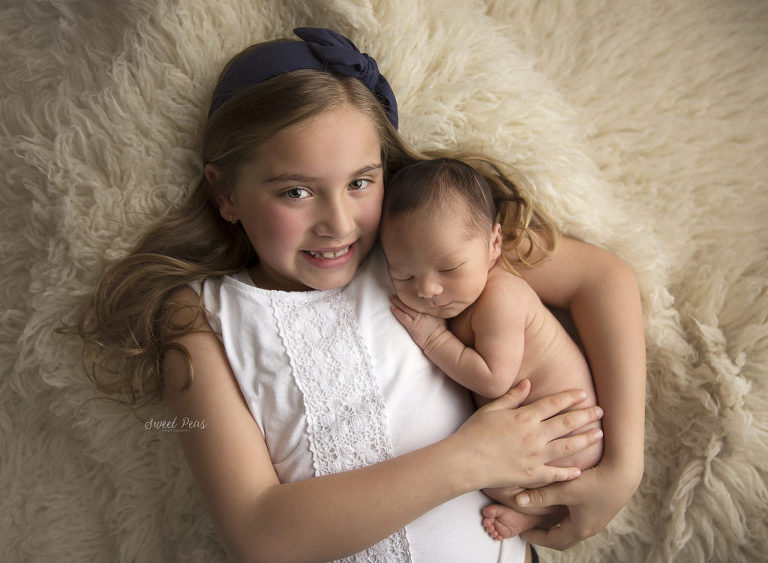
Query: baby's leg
pixel 501 521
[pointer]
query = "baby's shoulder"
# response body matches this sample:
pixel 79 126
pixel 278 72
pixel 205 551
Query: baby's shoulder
pixel 507 294
pixel 503 284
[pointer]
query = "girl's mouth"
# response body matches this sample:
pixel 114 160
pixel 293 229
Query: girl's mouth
pixel 328 255
pixel 330 258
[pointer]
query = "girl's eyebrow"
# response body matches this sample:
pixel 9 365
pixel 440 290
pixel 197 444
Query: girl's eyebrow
pixel 300 178
pixel 368 169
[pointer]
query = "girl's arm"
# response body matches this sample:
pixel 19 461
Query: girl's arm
pixel 323 518
pixel 490 368
pixel 602 295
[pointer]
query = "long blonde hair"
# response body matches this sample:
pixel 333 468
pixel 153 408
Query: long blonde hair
pixel 126 327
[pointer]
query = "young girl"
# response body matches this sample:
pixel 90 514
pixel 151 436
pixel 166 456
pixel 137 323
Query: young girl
pixel 442 236
pixel 260 307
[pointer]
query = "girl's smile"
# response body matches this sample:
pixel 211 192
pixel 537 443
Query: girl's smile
pixel 331 258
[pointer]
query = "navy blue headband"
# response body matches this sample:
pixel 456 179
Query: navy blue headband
pixel 321 49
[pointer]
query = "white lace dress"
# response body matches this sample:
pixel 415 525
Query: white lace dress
pixel 335 383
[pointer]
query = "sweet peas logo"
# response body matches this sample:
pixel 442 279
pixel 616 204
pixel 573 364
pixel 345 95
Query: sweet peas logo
pixel 186 424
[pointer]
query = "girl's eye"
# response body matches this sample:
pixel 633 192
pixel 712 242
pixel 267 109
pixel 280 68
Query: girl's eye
pixel 296 193
pixel 359 184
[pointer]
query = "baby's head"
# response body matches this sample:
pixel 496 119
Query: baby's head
pixel 439 234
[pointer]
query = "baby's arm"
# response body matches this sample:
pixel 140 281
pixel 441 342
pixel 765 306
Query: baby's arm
pixel 324 518
pixel 490 367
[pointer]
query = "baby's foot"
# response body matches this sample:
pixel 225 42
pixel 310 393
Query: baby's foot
pixel 502 522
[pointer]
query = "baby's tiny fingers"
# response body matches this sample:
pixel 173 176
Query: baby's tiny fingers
pixel 404 318
pixel 397 302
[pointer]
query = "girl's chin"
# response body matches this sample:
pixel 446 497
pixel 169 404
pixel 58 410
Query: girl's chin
pixel 330 279
pixel 326 285
pixel 319 280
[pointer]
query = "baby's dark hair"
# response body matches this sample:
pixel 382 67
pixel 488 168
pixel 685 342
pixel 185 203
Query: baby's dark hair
pixel 424 185
pixel 528 233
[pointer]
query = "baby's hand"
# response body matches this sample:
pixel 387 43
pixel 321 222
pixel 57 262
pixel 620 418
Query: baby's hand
pixel 423 328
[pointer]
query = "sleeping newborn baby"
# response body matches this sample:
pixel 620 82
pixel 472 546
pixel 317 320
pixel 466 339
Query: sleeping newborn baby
pixel 478 321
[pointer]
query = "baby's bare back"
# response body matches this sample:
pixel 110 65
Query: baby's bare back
pixel 551 359
pixel 553 362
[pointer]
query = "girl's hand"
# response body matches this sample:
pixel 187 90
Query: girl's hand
pixel 592 501
pixel 511 445
pixel 423 328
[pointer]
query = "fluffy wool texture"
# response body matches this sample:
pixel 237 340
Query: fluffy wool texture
pixel 641 126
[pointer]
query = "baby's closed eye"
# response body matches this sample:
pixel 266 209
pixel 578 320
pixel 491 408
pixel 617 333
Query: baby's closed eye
pixel 451 269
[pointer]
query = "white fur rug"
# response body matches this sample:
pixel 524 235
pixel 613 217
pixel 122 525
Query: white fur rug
pixel 642 125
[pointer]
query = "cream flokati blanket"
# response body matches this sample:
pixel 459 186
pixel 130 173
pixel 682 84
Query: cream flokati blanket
pixel 643 127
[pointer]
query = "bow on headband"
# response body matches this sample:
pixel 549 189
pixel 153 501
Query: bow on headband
pixel 321 49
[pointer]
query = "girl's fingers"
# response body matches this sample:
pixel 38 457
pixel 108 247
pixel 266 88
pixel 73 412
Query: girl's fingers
pixel 550 495
pixel 559 537
pixel 551 405
pixel 564 424
pixel 551 474
pixel 563 447
pixel 512 398
pixel 564 474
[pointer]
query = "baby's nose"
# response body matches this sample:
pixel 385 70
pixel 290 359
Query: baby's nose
pixel 429 289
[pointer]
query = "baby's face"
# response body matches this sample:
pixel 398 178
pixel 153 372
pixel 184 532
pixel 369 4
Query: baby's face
pixel 437 267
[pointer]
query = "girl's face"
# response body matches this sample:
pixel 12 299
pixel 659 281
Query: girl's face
pixel 310 201
pixel 436 266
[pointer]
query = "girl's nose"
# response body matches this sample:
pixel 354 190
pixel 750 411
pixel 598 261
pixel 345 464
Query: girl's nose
pixel 336 220
pixel 427 289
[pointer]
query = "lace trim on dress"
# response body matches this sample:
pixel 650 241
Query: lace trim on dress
pixel 344 408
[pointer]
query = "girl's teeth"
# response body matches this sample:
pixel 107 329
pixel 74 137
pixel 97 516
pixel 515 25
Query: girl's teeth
pixel 329 255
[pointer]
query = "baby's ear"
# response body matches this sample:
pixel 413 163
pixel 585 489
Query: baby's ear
pixel 495 242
